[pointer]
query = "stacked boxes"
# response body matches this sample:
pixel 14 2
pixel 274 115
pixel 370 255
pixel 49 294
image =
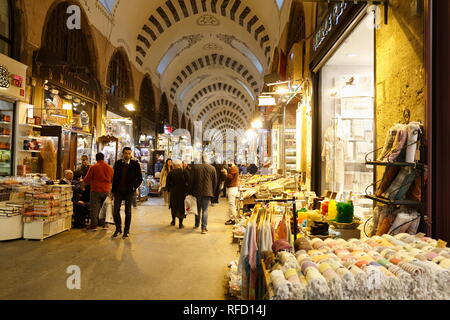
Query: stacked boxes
pixel 53 204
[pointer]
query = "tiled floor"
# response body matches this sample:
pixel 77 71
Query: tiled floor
pixel 158 261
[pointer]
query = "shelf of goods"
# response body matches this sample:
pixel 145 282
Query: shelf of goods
pixel 11 225
pixel 49 212
pixel 12 207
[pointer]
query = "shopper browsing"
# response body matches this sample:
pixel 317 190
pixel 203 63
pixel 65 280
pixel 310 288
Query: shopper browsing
pixel 100 177
pixel 177 184
pixel 232 182
pixel 162 181
pixel 204 182
pixel 127 178
pixel 68 178
pixel 82 171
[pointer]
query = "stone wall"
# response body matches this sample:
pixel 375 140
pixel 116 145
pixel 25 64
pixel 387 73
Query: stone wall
pixel 400 73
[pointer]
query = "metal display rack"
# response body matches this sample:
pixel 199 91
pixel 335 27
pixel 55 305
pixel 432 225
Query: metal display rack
pixel 418 166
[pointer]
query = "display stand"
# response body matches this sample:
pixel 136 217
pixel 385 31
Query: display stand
pixel 294 211
pixel 267 283
pixel 11 224
pixel 40 230
pixel 418 166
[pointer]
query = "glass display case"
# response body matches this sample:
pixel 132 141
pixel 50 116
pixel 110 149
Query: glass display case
pixel 275 150
pixel 109 146
pixel 6 123
pixel 165 144
pixel 84 147
pixel 28 150
pixel 122 129
pixel 62 108
pixel 290 149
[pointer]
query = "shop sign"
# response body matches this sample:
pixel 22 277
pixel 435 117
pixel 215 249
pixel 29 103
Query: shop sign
pixel 12 75
pixel 332 20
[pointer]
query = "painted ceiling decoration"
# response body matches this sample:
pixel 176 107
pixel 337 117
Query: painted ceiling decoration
pixel 207 58
pixel 170 14
pixel 214 88
pixel 225 114
pixel 216 104
pixel 176 49
pixel 214 60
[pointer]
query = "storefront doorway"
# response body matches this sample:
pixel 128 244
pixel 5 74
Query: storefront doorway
pixel 346 122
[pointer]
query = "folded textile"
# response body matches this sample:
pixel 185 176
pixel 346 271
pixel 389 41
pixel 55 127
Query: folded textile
pixel 390 173
pixel 389 142
pixel 412 143
pixel 398 150
pixel 398 182
pixel 406 185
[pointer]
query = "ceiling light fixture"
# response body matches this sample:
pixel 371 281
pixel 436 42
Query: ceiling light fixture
pixel 130 107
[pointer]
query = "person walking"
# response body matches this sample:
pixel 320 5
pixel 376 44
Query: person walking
pixel 220 180
pixel 100 178
pixel 232 182
pixel 223 186
pixel 127 178
pixel 252 169
pixel 82 171
pixel 177 184
pixel 203 185
pixel 163 180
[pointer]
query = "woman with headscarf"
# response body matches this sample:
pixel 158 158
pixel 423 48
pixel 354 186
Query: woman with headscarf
pixel 177 184
pixel 162 182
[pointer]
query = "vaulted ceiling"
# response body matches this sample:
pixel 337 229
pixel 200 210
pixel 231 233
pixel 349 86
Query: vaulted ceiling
pixel 208 56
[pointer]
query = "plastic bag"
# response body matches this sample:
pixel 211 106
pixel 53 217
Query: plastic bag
pixel 106 212
pixel 190 205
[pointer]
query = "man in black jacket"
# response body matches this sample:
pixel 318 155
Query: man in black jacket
pixel 127 178
pixel 203 183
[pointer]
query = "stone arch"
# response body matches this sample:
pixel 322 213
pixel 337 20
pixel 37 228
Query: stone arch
pixel 119 81
pixel 167 16
pixel 297 25
pixel 164 109
pixel 62 46
pixel 147 98
pixel 175 117
pixel 183 122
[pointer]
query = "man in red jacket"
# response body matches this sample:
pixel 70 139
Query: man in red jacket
pixel 100 177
